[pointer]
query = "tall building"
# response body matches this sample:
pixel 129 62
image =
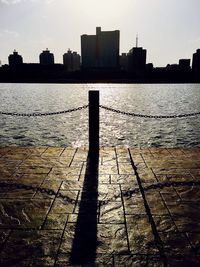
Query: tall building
pixel 196 61
pixel 76 61
pixel 100 51
pixel 137 59
pixel 184 64
pixel 71 60
pixel 15 59
pixel 46 58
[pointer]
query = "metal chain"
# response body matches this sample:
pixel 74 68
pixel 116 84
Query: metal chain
pixel 39 114
pixel 149 116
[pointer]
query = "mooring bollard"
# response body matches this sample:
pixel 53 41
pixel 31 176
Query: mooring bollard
pixel 93 120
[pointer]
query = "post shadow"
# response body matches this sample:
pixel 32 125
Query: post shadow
pixel 85 239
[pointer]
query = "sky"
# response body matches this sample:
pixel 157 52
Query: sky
pixel 168 29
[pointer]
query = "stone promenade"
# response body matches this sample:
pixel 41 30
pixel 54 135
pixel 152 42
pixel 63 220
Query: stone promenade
pixel 121 207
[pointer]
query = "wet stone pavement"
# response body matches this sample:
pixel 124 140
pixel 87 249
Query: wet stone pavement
pixel 122 207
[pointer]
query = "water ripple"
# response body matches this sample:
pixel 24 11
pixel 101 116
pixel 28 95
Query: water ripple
pixel 72 129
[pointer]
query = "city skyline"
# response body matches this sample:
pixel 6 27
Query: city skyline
pixel 168 30
pixel 94 50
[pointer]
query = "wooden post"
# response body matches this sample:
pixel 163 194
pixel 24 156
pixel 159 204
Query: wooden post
pixel 93 120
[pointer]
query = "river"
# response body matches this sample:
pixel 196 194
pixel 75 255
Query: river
pixel 115 130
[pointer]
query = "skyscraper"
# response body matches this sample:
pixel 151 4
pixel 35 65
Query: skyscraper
pixel 196 61
pixel 46 58
pixel 15 59
pixel 137 59
pixel 100 51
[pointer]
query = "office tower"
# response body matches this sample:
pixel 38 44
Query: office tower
pixel 196 61
pixel 46 58
pixel 71 60
pixel 100 51
pixel 137 59
pixel 184 64
pixel 15 59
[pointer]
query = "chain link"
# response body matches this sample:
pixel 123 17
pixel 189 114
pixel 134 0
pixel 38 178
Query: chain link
pixel 149 116
pixel 40 114
pixel 131 114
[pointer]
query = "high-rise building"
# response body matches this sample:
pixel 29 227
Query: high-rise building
pixel 100 51
pixel 15 59
pixel 196 61
pixel 71 60
pixel 46 58
pixel 76 61
pixel 184 64
pixel 137 59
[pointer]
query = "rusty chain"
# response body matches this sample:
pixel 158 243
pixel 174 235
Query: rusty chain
pixel 131 114
pixel 40 114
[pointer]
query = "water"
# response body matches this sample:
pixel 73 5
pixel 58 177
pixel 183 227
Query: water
pixel 116 130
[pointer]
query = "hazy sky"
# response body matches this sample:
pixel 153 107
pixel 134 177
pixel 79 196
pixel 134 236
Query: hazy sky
pixel 168 29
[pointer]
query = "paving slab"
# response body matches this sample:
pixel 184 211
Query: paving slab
pixel 119 207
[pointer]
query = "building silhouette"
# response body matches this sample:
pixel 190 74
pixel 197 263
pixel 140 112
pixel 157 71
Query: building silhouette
pixel 137 60
pixel 46 58
pixel 76 61
pixel 184 65
pixel 173 67
pixel 100 51
pixel 15 59
pixel 196 61
pixel 124 62
pixel 71 60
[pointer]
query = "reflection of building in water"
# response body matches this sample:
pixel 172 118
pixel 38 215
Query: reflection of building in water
pixel 100 51
pixel 46 58
pixel 196 61
pixel 71 60
pixel 15 59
